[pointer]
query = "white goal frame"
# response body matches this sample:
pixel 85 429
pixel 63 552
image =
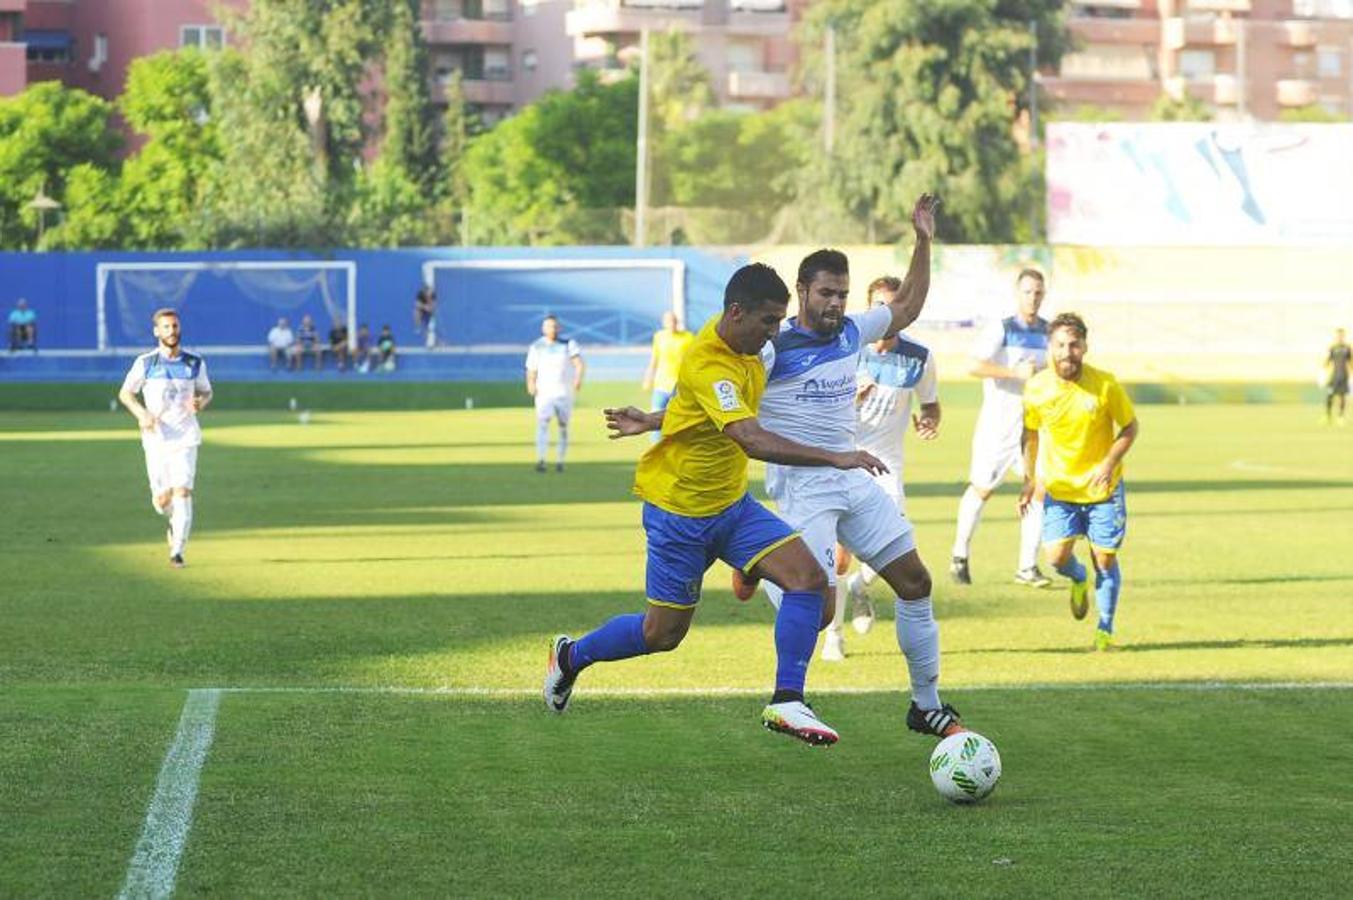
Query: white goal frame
pixel 675 267
pixel 102 271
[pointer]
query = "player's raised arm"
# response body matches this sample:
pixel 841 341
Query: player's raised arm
pixel 767 446
pixel 916 285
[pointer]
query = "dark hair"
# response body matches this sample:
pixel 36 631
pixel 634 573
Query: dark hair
pixel 161 312
pixel 548 317
pixel 833 261
pixel 754 285
pixel 890 283
pixel 1069 320
pixel 1030 273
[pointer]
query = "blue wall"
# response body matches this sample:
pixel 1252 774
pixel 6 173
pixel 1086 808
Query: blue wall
pixel 476 308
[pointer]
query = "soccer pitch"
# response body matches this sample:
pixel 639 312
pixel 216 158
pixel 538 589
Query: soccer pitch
pixel 346 679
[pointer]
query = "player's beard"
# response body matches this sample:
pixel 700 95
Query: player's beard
pixel 170 343
pixel 1062 370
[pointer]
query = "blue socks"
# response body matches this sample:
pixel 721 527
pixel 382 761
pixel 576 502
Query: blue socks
pixel 796 626
pixel 620 638
pixel 1107 586
pixel 1073 569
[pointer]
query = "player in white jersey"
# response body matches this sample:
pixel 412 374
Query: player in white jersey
pixel 891 373
pixel 1007 354
pixel 810 398
pixel 174 388
pixel 554 373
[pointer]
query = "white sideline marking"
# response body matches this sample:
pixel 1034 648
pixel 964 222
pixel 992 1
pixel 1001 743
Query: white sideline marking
pixel 517 693
pixel 155 862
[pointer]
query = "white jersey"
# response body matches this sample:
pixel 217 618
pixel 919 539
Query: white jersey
pixel 167 387
pixel 552 361
pixel 1009 342
pixel 904 369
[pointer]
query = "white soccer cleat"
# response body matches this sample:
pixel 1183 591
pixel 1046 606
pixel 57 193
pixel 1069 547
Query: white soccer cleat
pixel 558 686
pixel 797 719
pixel 833 646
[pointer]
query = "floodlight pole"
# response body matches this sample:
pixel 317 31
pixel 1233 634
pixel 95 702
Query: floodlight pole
pixel 641 150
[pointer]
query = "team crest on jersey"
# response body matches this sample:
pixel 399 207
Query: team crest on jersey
pixel 843 341
pixel 727 395
pixel 1089 404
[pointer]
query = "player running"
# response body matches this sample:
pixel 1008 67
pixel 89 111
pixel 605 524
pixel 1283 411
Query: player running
pixel 697 508
pixel 1336 363
pixel 1007 354
pixel 891 373
pixel 1075 407
pixel 174 387
pixel 554 375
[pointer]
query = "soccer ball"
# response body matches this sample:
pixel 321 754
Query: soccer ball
pixel 965 767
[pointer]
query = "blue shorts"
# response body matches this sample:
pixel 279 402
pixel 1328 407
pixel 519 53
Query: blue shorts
pixel 681 548
pixel 1103 523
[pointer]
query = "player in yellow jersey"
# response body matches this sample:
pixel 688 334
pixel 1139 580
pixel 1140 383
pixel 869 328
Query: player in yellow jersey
pixel 669 346
pixel 1070 413
pixel 697 509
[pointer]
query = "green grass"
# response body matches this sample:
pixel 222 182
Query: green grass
pixel 416 550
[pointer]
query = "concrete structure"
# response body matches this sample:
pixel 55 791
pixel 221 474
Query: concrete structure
pixel 1244 58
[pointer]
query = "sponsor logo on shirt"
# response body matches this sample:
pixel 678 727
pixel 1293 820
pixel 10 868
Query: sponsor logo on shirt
pixel 727 395
pixel 826 390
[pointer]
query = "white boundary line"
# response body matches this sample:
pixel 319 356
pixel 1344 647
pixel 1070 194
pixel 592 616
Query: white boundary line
pixel 155 862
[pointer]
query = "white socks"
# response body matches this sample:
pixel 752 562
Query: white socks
pixel 1030 536
pixel 563 442
pixel 542 438
pixel 918 636
pixel 180 523
pixel 969 512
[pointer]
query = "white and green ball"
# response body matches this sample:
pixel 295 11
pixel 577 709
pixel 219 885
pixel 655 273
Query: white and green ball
pixel 965 767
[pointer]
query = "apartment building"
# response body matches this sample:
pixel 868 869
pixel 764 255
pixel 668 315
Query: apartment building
pixel 1244 58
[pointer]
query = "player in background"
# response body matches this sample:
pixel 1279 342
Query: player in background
pixel 1070 413
pixel 174 388
pixel 554 374
pixel 697 508
pixel 1336 365
pixel 890 374
pixel 669 346
pixel 1007 354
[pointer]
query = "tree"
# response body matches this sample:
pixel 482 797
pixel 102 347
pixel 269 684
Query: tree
pixel 459 125
pixel 410 137
pixel 1312 113
pixel 1180 109
pixel 46 133
pixel 928 91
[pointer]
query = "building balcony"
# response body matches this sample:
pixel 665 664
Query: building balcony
pixel 758 85
pixel 1295 33
pixel 1295 92
pixel 617 19
pixel 1178 33
pixel 13 6
pixel 1114 31
pixel 1197 6
pixel 755 18
pixel 488 93
pixel 467 31
pixel 1072 92
pixel 1217 90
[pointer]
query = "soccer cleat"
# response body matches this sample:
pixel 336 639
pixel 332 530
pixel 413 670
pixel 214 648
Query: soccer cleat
pixel 861 606
pixel 744 586
pixel 1032 577
pixel 941 722
pixel 1080 599
pixel 833 646
pixel 1104 641
pixel 558 686
pixel 540 466
pixel 958 570
pixel 797 719
pixel 559 467
pixel 177 561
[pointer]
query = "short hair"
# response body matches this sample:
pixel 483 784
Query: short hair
pixel 825 260
pixel 162 312
pixel 549 317
pixel 890 283
pixel 755 285
pixel 1030 273
pixel 1071 321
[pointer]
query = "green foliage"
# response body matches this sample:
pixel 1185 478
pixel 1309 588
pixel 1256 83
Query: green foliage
pixel 389 208
pixel 678 83
pixel 93 217
pixel 1084 112
pixel 46 133
pixel 927 95
pixel 1311 113
pixel 410 135
pixel 1186 109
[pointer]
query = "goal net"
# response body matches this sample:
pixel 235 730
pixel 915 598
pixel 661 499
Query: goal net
pixel 223 304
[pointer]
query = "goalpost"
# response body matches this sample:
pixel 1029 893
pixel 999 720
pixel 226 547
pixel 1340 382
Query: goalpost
pixel 254 292
pixel 673 269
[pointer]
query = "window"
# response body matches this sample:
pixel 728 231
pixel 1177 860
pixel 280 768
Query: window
pixel 208 37
pixel 497 64
pixel 44 46
pixel 1303 64
pixel 1108 62
pixel 1197 65
pixel 529 61
pixel 1330 62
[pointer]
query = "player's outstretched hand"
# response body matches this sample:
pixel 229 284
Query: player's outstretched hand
pixel 923 215
pixel 627 421
pixel 860 459
pixel 927 428
pixel 1026 497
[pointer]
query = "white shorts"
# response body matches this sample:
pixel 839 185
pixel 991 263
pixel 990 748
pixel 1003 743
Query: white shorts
pixel 556 407
pixel 830 505
pixel 891 480
pixel 170 466
pixel 995 452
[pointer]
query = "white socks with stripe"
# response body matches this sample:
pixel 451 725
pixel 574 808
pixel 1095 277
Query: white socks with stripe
pixel 180 523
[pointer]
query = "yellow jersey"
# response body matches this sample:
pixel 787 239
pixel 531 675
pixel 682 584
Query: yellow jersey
pixel 668 349
pixel 695 469
pixel 1076 422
